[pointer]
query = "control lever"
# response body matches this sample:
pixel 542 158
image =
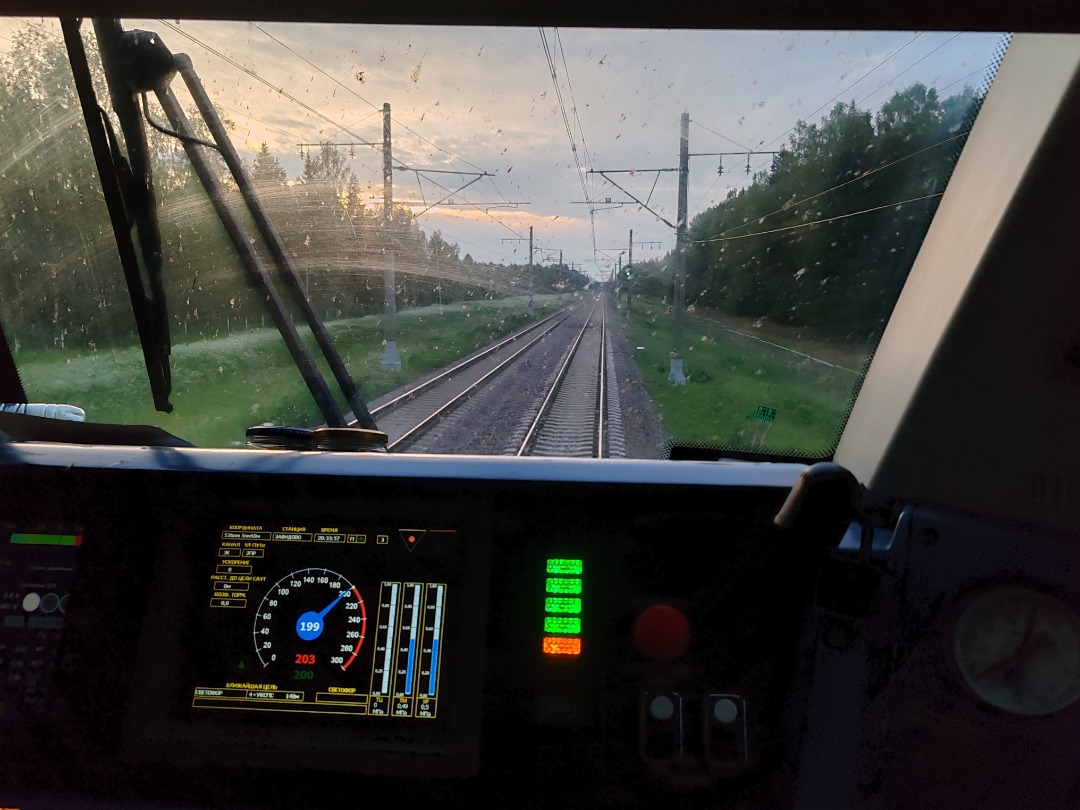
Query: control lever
pixel 824 501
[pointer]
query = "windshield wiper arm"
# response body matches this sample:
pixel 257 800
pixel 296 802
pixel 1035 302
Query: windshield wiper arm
pixel 270 235
pixel 129 196
pixel 149 65
pixel 320 391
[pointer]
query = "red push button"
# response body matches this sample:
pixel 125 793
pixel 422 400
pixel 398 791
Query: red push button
pixel 662 633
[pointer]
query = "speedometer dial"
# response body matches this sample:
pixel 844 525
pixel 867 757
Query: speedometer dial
pixel 311 617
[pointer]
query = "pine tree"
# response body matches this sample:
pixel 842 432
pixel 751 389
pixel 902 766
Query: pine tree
pixel 267 167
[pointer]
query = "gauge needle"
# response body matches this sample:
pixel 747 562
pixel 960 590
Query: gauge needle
pixel 1028 644
pixel 310 625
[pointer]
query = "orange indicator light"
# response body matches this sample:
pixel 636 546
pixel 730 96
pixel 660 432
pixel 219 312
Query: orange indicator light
pixel 562 646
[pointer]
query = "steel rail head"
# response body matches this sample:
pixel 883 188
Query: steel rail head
pixel 523 449
pixel 411 434
pixel 487 352
pixel 602 393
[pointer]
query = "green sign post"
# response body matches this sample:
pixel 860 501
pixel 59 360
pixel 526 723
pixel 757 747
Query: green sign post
pixel 764 417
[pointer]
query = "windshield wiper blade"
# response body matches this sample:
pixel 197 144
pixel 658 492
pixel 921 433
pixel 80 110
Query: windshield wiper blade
pixel 320 391
pixel 129 197
pixel 282 257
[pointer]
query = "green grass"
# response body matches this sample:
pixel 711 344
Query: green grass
pixel 224 385
pixel 728 376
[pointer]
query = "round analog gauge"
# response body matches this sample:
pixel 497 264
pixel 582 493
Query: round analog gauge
pixel 1018 650
pixel 312 617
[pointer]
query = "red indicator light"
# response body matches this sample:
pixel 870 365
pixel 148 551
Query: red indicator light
pixel 662 633
pixel 412 538
pixel 562 646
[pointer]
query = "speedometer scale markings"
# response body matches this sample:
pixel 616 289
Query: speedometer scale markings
pixel 311 617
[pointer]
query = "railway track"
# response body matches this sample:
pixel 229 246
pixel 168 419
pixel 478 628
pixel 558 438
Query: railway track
pixel 544 391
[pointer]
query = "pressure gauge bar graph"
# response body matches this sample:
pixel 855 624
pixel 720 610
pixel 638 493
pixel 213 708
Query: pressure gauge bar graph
pixel 408 648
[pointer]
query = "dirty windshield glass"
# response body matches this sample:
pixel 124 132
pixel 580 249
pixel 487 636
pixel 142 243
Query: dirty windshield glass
pixel 516 241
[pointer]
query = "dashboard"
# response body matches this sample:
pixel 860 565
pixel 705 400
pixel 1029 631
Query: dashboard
pixel 255 628
pixel 615 634
pixel 267 628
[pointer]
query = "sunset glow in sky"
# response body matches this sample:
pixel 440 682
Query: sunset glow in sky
pixel 484 99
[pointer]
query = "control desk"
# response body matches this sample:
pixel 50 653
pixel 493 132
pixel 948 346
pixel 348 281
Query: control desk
pixel 253 629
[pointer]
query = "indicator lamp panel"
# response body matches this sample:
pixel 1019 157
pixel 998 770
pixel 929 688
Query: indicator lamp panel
pixel 37 571
pixel 563 588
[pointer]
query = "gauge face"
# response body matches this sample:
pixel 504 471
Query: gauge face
pixel 313 617
pixel 1019 650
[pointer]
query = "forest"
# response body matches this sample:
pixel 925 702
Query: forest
pixel 60 280
pixel 825 237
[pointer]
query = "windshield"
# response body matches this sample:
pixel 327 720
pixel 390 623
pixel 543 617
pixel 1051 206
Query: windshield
pixel 519 241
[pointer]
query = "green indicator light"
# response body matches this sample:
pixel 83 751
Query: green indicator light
pixel 564 567
pixel 24 538
pixel 561 624
pixel 562 604
pixel 563 585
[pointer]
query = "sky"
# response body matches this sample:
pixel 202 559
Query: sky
pixel 485 100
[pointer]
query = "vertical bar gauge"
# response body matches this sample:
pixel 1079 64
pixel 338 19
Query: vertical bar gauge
pixel 428 688
pixel 385 643
pixel 408 637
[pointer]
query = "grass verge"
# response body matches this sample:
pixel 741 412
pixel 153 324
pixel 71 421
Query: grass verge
pixel 224 385
pixel 728 377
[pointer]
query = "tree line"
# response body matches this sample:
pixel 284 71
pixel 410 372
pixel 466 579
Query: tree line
pixel 825 237
pixel 60 278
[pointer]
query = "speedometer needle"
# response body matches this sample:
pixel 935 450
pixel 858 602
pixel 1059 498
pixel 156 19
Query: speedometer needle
pixel 310 625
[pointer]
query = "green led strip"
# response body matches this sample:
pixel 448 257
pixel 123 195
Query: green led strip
pixel 26 538
pixel 562 604
pixel 564 625
pixel 564 567
pixel 563 585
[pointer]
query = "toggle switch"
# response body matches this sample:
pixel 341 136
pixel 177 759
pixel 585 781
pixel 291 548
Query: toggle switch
pixel 661 727
pixel 726 731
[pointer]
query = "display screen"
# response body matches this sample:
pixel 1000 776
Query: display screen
pixel 326 619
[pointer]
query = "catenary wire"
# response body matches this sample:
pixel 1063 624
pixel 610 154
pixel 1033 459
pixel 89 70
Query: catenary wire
pixel 815 222
pixel 581 131
pixel 719 135
pixel 905 70
pixel 308 107
pixel 566 122
pixel 834 98
pixel 863 176
pixel 759 167
pixel 980 70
